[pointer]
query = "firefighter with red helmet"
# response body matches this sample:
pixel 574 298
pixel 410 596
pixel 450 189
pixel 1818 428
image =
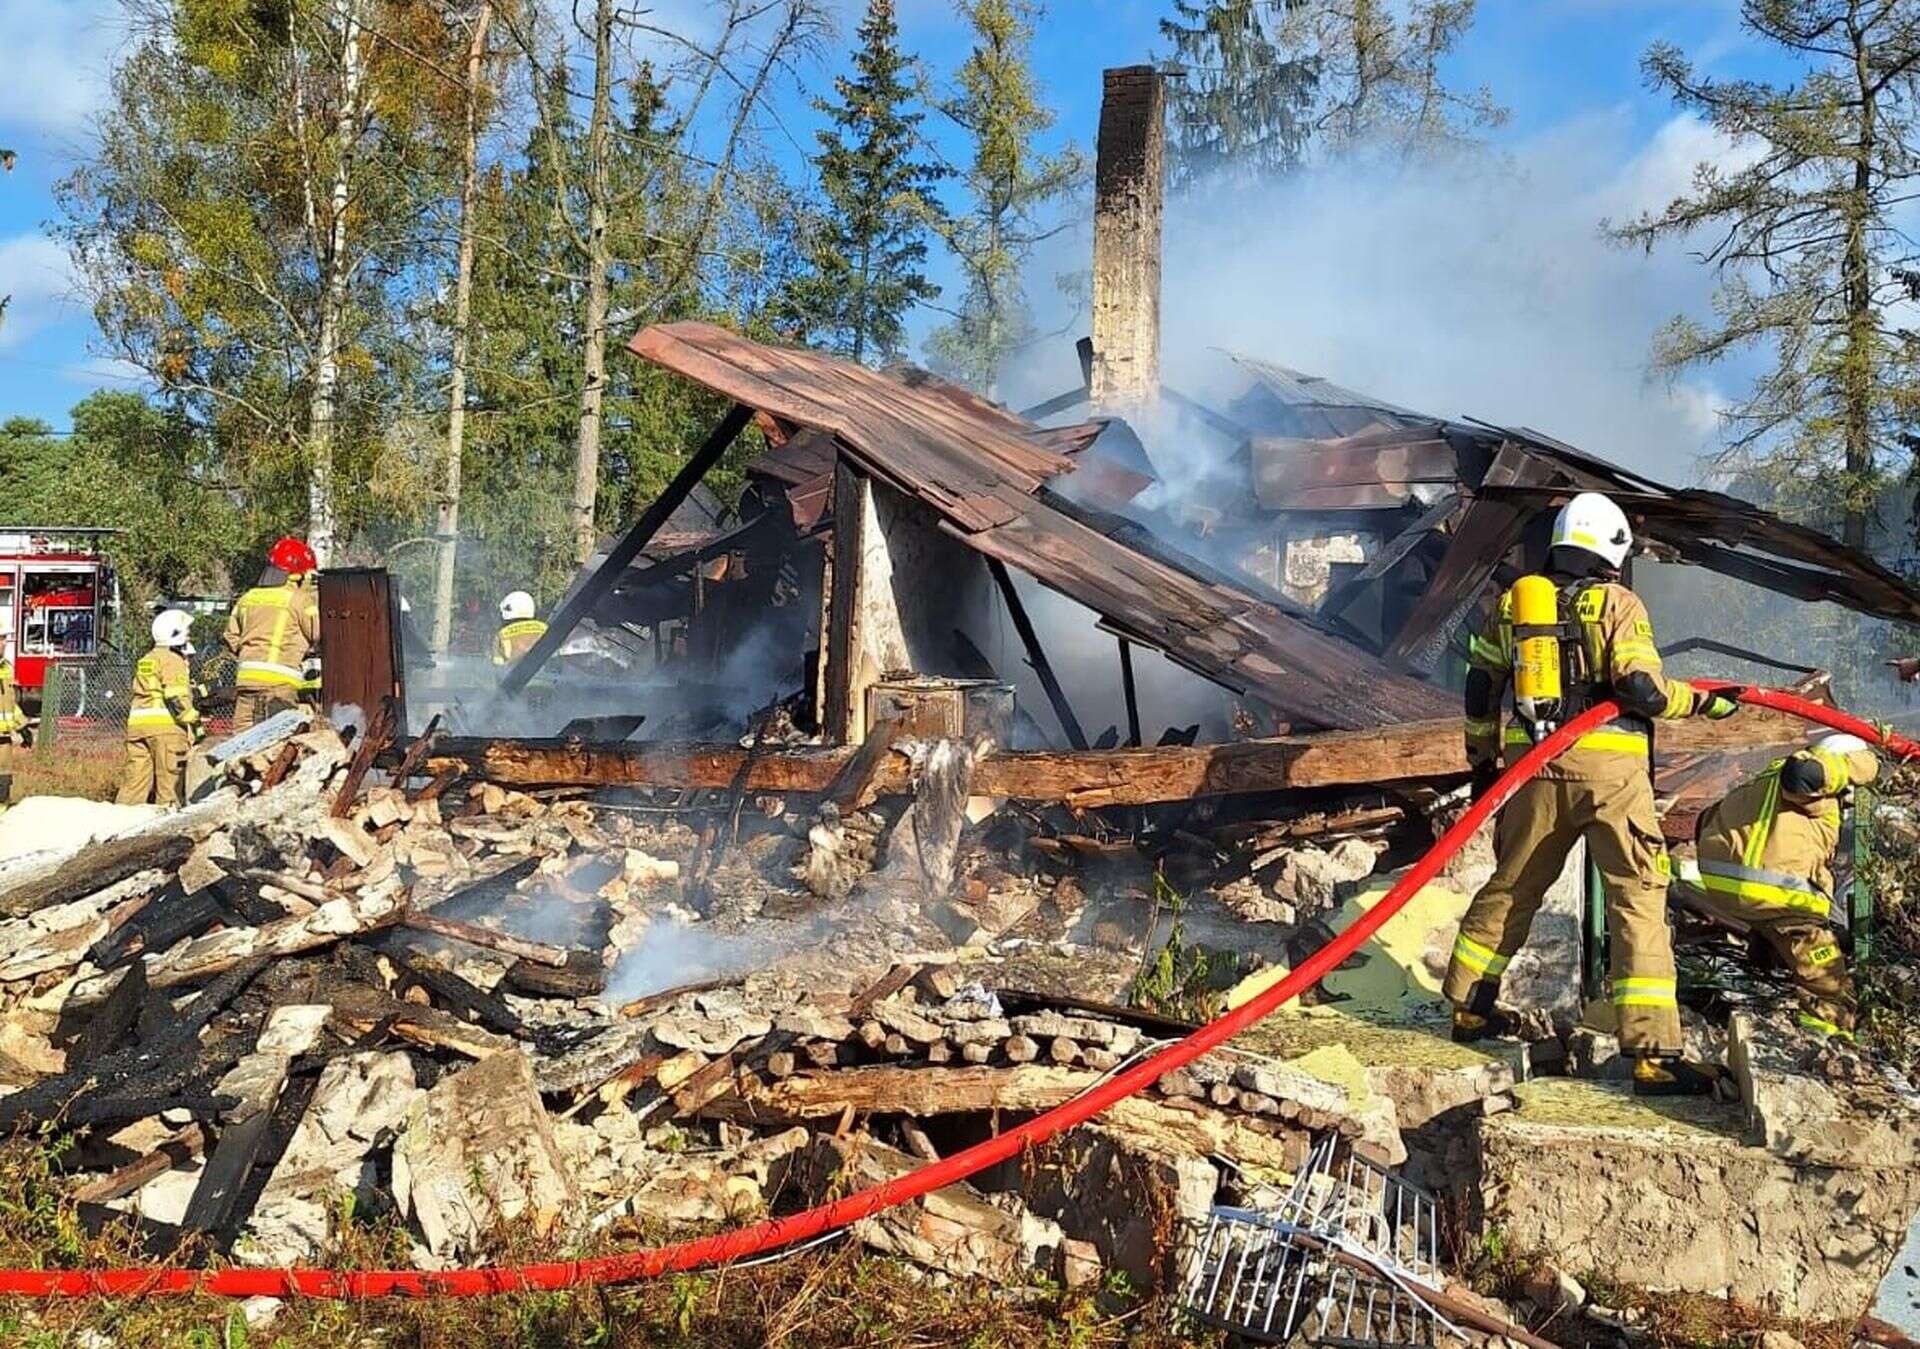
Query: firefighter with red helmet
pixel 274 635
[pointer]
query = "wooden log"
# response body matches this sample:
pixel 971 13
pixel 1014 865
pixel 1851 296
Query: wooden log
pixel 1063 1051
pixel 475 935
pixel 853 786
pixel 374 738
pixel 583 976
pixel 896 1045
pixel 181 1148
pixel 1021 1049
pixel 941 1052
pixel 70 876
pixel 1118 777
pixel 782 1064
pixel 978 1052
pixel 111 1025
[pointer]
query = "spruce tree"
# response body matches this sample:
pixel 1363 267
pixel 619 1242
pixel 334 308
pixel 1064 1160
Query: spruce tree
pixel 867 252
pixel 1241 105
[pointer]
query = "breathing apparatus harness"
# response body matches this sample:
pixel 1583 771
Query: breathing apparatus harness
pixel 1554 679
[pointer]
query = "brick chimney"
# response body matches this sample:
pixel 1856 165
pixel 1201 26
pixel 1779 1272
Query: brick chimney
pixel 1128 193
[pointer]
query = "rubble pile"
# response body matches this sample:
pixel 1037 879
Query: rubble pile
pixel 351 982
pixel 337 983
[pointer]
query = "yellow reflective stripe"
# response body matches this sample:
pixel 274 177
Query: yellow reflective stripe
pixel 1808 1021
pixel 1769 811
pixel 520 627
pixel 1679 700
pixel 143 717
pixel 1834 769
pixel 1635 649
pixel 1617 742
pixel 1488 655
pixel 1723 878
pixel 260 672
pixel 1823 954
pixel 1482 729
pixel 1478 959
pixel 1644 991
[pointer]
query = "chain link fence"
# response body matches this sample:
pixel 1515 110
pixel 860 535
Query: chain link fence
pixel 90 698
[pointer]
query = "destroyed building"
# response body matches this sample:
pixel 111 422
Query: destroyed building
pixel 1004 768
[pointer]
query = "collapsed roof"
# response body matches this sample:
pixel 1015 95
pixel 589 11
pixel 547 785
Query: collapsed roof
pixel 988 475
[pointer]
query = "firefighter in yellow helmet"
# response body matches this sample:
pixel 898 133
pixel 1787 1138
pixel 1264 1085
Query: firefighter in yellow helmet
pixel 162 722
pixel 273 632
pixel 519 629
pixel 1600 790
pixel 1766 853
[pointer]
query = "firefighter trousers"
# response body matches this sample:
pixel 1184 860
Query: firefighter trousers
pixel 1532 837
pixel 1801 943
pixel 156 770
pixel 253 706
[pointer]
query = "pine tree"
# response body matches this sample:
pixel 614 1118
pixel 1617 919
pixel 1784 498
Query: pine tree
pixel 1009 183
pixel 867 253
pixel 1241 105
pixel 1806 229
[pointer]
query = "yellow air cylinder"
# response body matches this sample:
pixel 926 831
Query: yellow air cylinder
pixel 1536 663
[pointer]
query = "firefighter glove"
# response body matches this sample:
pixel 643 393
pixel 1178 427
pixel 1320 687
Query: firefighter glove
pixel 1803 775
pixel 1718 706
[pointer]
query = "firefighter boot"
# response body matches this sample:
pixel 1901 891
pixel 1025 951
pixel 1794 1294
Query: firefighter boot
pixel 1470 1025
pixel 1671 1075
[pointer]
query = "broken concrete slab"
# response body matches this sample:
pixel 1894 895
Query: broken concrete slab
pixel 1666 1195
pixel 1896 1302
pixel 479 1149
pixel 1803 1116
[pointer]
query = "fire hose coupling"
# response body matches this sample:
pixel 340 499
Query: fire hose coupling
pixel 777 1233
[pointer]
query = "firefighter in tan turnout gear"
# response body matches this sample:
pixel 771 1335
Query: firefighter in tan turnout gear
pixel 1565 641
pixel 1766 852
pixel 162 722
pixel 273 633
pixel 13 721
pixel 519 629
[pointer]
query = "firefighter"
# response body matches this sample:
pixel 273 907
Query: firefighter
pixel 162 722
pixel 1598 644
pixel 13 721
pixel 519 629
pixel 1766 852
pixel 273 633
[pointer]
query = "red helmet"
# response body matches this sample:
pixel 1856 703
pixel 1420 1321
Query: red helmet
pixel 293 556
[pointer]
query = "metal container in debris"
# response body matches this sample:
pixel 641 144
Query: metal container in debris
pixel 1344 1259
pixel 934 708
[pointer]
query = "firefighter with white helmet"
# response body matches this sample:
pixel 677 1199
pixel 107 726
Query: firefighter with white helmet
pixel 519 629
pixel 1564 641
pixel 1766 856
pixel 162 722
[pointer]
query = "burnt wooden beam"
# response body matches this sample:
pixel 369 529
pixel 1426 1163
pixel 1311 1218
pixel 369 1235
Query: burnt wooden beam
pixel 1121 777
pixel 604 577
pixel 1036 655
pixel 95 867
pixel 1133 696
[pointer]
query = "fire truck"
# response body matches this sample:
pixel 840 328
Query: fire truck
pixel 56 593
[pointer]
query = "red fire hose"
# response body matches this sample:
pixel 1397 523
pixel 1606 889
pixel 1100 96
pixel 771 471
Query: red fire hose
pixel 773 1234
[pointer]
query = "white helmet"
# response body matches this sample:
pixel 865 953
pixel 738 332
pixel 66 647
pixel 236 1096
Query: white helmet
pixel 1593 522
pixel 517 605
pixel 171 628
pixel 1839 742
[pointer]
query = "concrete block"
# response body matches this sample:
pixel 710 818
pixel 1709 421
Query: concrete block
pixel 1817 1119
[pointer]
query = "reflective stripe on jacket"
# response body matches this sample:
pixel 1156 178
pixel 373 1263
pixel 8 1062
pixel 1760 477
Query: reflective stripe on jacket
pixel 1774 849
pixel 162 694
pixel 1617 635
pixel 515 639
pixel 271 631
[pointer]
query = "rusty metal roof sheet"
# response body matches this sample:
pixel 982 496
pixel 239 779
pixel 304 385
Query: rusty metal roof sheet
pixel 978 467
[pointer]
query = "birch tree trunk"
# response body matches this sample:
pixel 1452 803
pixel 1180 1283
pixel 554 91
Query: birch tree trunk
pixel 448 520
pixel 322 517
pixel 586 474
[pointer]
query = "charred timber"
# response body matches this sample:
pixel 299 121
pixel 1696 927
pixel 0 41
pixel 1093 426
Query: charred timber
pixel 1085 778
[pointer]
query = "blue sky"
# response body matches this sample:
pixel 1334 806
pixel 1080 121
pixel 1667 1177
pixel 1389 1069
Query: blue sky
pixel 1567 69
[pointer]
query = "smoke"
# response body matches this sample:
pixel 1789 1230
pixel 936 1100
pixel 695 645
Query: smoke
pixel 1482 288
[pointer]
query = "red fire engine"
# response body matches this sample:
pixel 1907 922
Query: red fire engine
pixel 55 592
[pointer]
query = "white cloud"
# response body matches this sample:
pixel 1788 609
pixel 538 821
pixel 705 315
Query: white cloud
pixel 57 55
pixel 36 272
